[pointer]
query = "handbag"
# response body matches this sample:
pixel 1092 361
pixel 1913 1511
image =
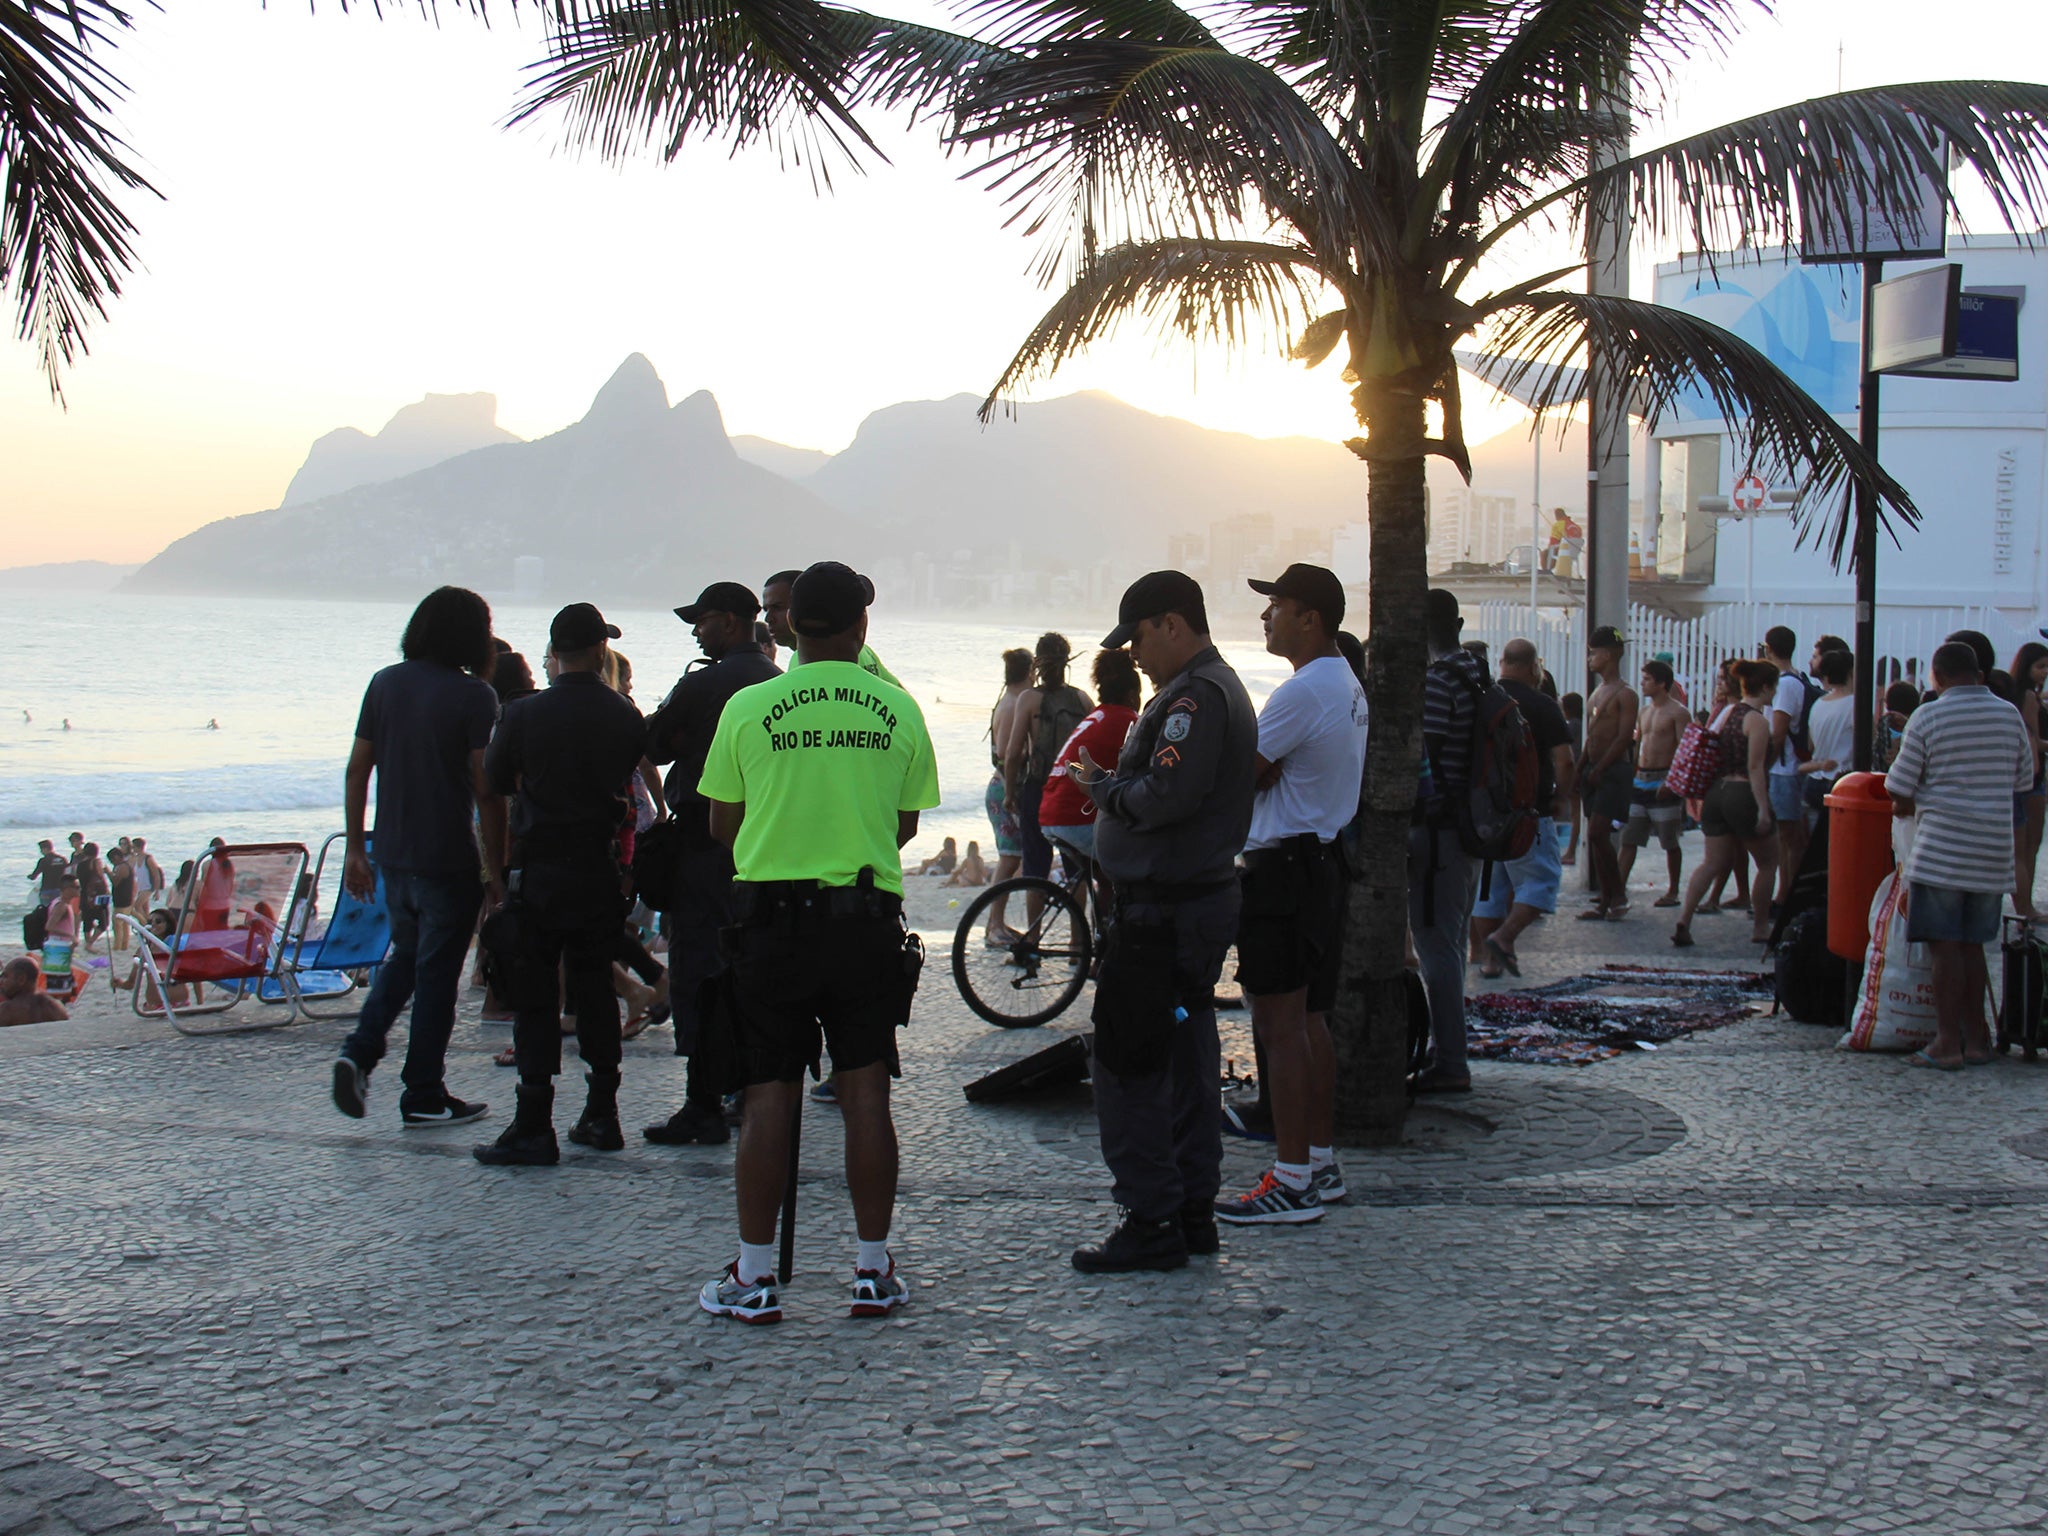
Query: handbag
pixel 1696 765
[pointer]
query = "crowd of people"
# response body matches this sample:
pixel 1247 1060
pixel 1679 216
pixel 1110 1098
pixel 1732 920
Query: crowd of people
pixel 531 819
pixel 82 894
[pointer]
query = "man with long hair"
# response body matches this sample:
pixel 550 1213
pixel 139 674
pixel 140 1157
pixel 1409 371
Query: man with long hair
pixel 422 729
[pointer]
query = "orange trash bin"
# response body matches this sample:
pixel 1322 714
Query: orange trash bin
pixel 1859 857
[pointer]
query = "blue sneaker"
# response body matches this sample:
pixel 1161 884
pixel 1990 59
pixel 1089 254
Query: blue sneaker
pixel 1241 1118
pixel 825 1092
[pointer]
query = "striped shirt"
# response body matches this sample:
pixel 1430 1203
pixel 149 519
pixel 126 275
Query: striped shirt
pixel 1448 710
pixel 1962 759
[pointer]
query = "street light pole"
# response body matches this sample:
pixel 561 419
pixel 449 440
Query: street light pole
pixel 1866 537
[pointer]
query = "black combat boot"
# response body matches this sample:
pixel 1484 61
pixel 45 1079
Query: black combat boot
pixel 598 1128
pixel 529 1141
pixel 1198 1228
pixel 692 1125
pixel 1135 1244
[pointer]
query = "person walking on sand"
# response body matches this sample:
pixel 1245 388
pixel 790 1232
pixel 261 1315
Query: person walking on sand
pixel 1605 771
pixel 1653 810
pixel 1964 756
pixel 422 731
pixel 48 875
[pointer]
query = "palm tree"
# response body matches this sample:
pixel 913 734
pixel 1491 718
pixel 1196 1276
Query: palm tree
pixel 64 241
pixel 1343 169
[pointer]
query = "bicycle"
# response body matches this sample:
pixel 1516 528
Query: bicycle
pixel 1034 975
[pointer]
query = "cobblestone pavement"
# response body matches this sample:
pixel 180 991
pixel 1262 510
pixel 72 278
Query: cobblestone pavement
pixel 1743 1284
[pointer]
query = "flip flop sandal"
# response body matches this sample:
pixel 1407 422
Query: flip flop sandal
pixel 1593 915
pixel 1681 936
pixel 1922 1059
pixel 1506 957
pixel 1668 901
pixel 508 1057
pixel 634 1027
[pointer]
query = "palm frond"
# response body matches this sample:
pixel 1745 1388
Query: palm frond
pixel 1120 139
pixel 1538 337
pixel 1198 289
pixel 64 241
pixel 1753 182
pixel 640 74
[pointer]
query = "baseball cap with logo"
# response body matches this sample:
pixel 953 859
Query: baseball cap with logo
pixel 578 627
pixel 721 597
pixel 1312 586
pixel 1153 595
pixel 828 599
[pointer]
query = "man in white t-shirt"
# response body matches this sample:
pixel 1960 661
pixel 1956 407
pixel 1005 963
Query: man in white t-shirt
pixel 1787 706
pixel 1290 928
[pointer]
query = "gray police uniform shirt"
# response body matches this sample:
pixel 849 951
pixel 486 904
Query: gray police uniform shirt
pixel 1178 807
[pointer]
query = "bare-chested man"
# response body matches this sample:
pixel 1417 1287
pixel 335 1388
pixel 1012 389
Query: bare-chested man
pixel 1653 810
pixel 1605 771
pixel 1002 819
pixel 20 1002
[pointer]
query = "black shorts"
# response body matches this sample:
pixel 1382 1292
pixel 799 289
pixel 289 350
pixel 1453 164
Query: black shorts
pixel 1290 929
pixel 801 974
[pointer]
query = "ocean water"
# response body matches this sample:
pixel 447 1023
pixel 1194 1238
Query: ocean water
pixel 140 679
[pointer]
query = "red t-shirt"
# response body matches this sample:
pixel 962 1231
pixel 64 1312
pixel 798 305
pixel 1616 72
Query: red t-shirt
pixel 1065 803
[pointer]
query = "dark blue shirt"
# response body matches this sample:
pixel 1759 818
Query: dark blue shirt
pixel 424 720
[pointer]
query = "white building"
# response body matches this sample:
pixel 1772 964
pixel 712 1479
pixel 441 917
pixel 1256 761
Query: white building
pixel 1970 453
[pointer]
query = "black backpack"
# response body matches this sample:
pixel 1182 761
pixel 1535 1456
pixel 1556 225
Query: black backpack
pixel 1801 734
pixel 35 927
pixel 1811 979
pixel 1496 813
pixel 1060 710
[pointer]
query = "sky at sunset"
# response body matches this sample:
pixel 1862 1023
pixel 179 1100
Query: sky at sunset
pixel 348 226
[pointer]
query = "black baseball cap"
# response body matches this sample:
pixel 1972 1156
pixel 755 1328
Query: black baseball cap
pixel 1606 638
pixel 828 599
pixel 1153 594
pixel 1312 586
pixel 721 597
pixel 578 627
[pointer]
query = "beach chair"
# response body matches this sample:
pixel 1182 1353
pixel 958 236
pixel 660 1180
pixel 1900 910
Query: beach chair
pixel 320 967
pixel 242 899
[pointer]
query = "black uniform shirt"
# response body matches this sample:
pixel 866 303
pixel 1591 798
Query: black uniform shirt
pixel 680 731
pixel 1178 807
pixel 569 753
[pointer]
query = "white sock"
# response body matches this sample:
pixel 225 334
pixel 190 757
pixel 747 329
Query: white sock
pixel 873 1256
pixel 1294 1175
pixel 1321 1157
pixel 757 1261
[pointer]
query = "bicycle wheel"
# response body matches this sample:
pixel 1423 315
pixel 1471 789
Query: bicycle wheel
pixel 1039 971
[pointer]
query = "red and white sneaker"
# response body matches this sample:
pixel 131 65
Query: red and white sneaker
pixel 750 1301
pixel 877 1295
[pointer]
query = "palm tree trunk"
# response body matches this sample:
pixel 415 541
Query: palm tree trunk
pixel 1370 1025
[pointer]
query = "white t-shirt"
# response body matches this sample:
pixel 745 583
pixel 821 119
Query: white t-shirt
pixel 1314 727
pixel 1789 700
pixel 1833 726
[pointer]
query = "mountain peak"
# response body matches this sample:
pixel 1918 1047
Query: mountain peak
pixel 633 396
pixel 417 436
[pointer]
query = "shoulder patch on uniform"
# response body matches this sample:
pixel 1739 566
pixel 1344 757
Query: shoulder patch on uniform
pixel 1176 727
pixel 1185 701
pixel 1166 757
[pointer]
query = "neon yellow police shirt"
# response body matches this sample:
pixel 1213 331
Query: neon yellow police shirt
pixel 823 758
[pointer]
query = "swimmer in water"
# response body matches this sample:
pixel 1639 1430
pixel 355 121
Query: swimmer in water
pixel 67 724
pixel 213 725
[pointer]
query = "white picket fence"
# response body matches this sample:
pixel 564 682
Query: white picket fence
pixel 1906 637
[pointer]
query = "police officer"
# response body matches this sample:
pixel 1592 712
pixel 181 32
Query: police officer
pixel 816 780
pixel 679 733
pixel 1172 818
pixel 565 755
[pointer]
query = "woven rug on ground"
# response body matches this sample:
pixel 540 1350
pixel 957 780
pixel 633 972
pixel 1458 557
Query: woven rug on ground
pixel 1603 1012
